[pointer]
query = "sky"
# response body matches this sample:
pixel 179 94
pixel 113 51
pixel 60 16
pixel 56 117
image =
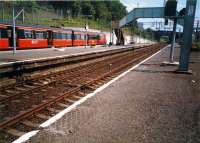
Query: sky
pixel 131 4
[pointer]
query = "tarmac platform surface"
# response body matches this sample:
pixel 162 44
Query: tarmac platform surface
pixel 7 57
pixel 150 104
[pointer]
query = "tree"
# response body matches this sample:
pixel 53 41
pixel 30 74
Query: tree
pixel 75 8
pixel 101 10
pixel 117 9
pixel 27 5
pixel 87 8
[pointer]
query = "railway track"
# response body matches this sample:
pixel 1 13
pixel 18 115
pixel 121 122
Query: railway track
pixel 29 104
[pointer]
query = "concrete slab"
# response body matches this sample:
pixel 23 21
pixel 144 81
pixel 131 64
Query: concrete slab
pixel 151 104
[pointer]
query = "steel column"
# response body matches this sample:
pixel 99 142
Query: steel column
pixel 14 35
pixel 187 38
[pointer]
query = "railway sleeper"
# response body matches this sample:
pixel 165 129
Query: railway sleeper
pixel 42 116
pixel 70 101
pixel 53 110
pixel 95 85
pixel 26 97
pixel 30 124
pixel 3 96
pixel 38 84
pixel 71 85
pixel 29 86
pixel 80 93
pixel 77 97
pixel 62 105
pixel 10 91
pixel 15 132
pixel 44 90
pixel 51 97
pixel 87 89
pixel 20 88
pixel 44 81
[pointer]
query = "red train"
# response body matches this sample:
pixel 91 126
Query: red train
pixel 4 42
pixel 43 37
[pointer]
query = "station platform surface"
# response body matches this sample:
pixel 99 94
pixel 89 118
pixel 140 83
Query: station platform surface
pixel 7 57
pixel 150 104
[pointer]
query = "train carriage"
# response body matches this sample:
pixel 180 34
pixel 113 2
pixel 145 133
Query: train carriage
pixel 92 38
pixel 101 39
pixel 29 37
pixel 79 38
pixel 4 40
pixel 61 38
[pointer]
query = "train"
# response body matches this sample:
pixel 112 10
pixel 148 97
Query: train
pixel 33 37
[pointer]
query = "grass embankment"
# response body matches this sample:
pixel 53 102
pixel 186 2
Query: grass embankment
pixel 48 17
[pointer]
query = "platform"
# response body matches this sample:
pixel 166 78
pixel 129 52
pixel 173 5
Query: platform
pixel 149 104
pixel 7 57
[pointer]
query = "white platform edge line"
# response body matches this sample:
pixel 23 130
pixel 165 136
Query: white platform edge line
pixel 28 135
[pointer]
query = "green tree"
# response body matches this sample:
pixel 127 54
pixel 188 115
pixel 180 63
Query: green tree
pixel 101 10
pixel 87 8
pixel 117 9
pixel 75 8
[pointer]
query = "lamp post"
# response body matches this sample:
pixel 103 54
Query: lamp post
pixel 86 28
pixel 86 37
pixel 14 25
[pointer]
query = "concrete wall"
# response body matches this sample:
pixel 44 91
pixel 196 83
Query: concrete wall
pixel 111 37
pixel 136 39
pixel 128 39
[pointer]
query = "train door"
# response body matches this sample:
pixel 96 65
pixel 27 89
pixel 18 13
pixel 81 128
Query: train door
pixel 50 38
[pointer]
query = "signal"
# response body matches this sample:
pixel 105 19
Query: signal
pixel 170 8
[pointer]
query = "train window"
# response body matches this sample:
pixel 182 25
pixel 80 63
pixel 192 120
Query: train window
pixel 58 35
pixel 92 37
pixel 77 36
pixel 3 33
pixel 40 35
pixel 55 35
pixel 99 37
pixel 20 33
pixel 63 36
pixel 28 34
pixel 68 36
